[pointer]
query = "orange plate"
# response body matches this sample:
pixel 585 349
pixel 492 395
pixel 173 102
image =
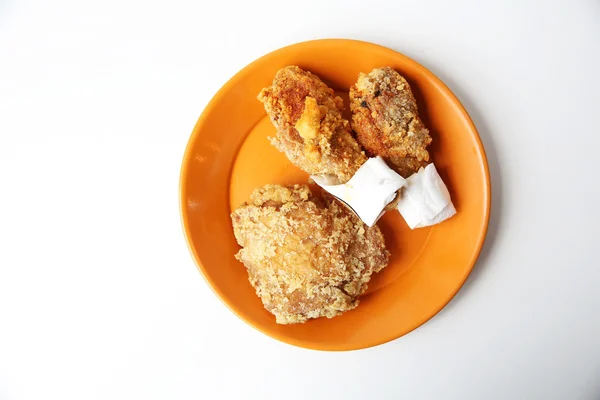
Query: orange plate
pixel 228 156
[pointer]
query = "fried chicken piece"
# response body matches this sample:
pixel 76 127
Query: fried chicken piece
pixel 386 120
pixel 307 255
pixel 310 128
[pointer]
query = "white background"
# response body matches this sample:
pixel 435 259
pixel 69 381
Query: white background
pixel 99 297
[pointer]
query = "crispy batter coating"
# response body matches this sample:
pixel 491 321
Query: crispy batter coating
pixel 307 256
pixel 386 120
pixel 310 128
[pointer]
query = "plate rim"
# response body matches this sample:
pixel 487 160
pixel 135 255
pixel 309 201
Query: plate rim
pixel 232 82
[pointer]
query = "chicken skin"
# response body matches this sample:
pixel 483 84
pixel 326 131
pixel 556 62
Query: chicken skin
pixel 311 130
pixel 386 120
pixel 306 254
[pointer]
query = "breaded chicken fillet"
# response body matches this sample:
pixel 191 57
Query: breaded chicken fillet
pixel 386 120
pixel 310 128
pixel 307 256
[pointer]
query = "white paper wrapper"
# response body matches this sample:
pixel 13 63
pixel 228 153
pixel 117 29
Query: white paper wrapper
pixel 425 199
pixel 371 188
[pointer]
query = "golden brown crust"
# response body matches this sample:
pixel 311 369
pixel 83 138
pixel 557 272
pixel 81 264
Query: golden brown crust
pixel 307 256
pixel 386 120
pixel 310 128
